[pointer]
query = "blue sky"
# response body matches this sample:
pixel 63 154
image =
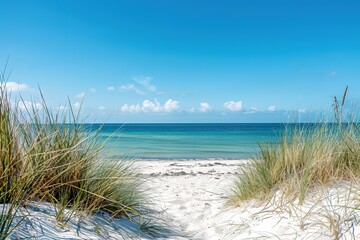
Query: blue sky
pixel 183 61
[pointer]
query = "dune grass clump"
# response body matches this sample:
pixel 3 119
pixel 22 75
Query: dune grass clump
pixel 74 174
pixel 306 156
pixel 14 181
pixel 47 156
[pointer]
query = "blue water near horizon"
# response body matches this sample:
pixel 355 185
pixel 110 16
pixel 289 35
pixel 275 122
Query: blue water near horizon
pixel 186 141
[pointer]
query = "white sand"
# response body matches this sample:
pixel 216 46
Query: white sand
pixel 193 195
pixel 189 201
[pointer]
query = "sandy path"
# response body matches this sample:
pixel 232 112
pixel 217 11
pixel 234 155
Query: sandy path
pixel 192 193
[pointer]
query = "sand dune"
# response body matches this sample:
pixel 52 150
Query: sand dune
pixel 188 201
pixel 193 195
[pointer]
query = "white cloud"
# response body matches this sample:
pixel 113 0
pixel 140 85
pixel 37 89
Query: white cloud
pixel 131 87
pixel 101 108
pixel 145 82
pixel 14 87
pixel 77 105
pixel 80 95
pixel 272 108
pixel 302 110
pixel 233 106
pixel 150 106
pixel 252 110
pixel 171 105
pixel 192 110
pixel 28 105
pixel 131 108
pixel 110 88
pixel 205 107
pixel 92 90
pixel 62 107
pixel 332 74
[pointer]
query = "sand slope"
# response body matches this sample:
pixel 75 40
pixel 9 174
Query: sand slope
pixel 187 200
pixel 193 195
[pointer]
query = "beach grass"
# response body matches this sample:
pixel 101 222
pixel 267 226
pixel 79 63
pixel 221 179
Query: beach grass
pixel 74 172
pixel 51 156
pixel 306 156
pixel 310 175
pixel 13 186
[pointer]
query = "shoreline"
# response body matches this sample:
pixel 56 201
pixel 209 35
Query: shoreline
pixel 189 159
pixel 193 167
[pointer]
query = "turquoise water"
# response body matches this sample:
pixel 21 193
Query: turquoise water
pixel 186 141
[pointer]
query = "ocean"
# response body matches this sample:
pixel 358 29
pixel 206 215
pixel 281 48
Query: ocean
pixel 186 141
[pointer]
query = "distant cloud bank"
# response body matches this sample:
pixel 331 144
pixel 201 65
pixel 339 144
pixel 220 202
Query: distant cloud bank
pixel 233 106
pixel 150 106
pixel 205 107
pixel 272 108
pixel 14 86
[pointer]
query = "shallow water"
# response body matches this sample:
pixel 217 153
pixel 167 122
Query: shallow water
pixel 186 141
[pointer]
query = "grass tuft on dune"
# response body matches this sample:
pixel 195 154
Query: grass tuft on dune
pixel 47 156
pixel 306 156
